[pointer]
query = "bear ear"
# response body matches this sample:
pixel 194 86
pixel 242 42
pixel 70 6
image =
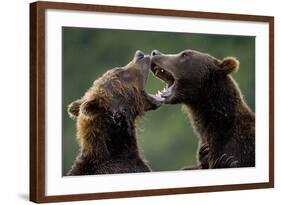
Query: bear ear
pixel 89 107
pixel 228 65
pixel 73 108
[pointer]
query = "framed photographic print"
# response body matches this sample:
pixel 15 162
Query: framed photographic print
pixel 128 102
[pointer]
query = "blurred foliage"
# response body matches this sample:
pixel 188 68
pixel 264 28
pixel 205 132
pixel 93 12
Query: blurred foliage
pixel 165 136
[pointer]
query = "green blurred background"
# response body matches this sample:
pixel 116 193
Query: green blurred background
pixel 165 137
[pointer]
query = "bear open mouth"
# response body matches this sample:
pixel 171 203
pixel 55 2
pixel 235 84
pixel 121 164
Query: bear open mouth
pixel 165 76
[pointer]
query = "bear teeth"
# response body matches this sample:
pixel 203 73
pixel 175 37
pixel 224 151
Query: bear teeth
pixel 158 94
pixel 156 72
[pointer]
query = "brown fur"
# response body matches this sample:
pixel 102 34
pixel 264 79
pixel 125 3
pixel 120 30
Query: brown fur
pixel 106 117
pixel 213 100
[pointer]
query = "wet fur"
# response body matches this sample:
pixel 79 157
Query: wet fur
pixel 217 110
pixel 106 129
pixel 224 121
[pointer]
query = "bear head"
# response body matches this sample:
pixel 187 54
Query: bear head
pixel 120 91
pixel 106 113
pixel 190 74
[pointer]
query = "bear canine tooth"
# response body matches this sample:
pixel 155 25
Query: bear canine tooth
pixel 156 72
pixel 162 71
pixel 158 94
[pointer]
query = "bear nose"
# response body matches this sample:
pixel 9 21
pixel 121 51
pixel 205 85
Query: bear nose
pixel 155 53
pixel 139 55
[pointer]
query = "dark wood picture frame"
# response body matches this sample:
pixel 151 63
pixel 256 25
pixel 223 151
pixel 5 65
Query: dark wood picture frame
pixel 37 100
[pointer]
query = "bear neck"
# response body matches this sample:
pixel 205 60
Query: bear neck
pixel 104 139
pixel 214 114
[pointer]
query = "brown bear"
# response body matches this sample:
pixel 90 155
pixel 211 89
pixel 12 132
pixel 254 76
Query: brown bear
pixel 214 103
pixel 106 115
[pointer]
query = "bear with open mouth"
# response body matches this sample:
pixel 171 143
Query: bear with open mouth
pixel 105 119
pixel 203 84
